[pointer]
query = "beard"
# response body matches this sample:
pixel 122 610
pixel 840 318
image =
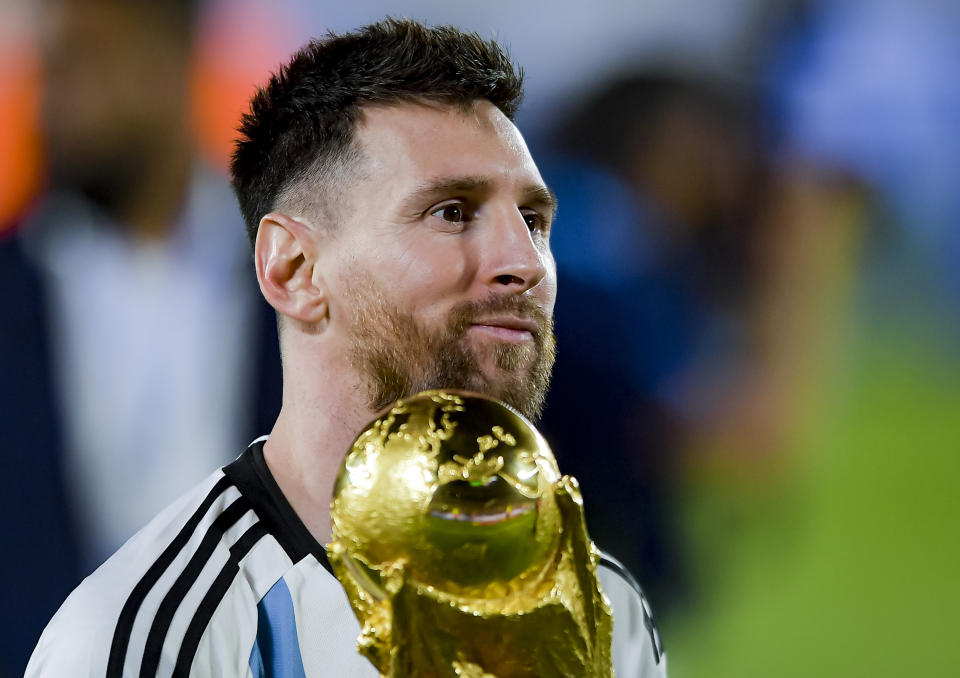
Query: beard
pixel 401 357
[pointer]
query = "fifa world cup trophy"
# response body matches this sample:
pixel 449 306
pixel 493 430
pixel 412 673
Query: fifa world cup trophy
pixel 463 550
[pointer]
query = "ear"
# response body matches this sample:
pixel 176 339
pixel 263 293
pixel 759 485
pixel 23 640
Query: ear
pixel 287 271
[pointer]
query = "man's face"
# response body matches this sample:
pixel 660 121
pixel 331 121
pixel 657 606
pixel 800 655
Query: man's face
pixel 444 275
pixel 115 94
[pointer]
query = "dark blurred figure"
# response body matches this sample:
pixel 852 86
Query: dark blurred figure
pixel 687 151
pixel 655 243
pixel 135 353
pixel 115 108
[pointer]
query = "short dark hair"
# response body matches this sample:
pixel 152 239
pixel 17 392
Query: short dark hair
pixel 303 121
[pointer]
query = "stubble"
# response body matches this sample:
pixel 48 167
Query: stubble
pixel 400 357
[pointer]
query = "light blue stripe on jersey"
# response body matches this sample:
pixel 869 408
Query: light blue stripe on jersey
pixel 276 651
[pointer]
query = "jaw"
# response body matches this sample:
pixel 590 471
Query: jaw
pixel 503 369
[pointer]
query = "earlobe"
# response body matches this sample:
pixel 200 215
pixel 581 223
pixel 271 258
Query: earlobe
pixel 287 268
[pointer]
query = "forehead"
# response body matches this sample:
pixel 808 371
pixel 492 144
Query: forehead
pixel 409 143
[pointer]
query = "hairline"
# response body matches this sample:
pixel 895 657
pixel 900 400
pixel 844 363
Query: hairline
pixel 328 175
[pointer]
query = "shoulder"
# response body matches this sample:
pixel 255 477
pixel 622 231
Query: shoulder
pixel 637 648
pixel 150 603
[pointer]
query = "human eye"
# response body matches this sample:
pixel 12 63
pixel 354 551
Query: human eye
pixel 454 213
pixel 536 222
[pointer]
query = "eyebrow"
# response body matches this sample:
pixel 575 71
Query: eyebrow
pixel 534 194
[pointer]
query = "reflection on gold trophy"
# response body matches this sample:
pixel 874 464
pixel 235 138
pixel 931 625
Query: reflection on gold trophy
pixel 463 551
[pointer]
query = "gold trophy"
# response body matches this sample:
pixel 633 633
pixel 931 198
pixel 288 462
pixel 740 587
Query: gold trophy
pixel 463 550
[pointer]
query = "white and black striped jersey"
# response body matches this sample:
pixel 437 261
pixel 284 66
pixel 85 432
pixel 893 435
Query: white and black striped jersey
pixel 228 581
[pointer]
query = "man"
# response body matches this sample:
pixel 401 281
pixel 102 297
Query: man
pixel 401 231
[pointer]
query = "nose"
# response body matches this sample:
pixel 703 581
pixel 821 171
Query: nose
pixel 515 261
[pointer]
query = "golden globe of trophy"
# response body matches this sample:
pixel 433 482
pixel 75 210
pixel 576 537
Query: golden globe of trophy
pixel 463 550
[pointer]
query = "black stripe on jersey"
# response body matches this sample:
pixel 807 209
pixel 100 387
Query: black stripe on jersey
pixel 210 602
pixel 252 477
pixel 121 635
pixel 190 574
pixel 612 563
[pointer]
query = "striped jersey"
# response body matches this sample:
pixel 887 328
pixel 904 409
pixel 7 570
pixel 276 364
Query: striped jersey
pixel 227 581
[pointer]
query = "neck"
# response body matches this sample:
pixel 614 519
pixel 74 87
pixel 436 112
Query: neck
pixel 322 413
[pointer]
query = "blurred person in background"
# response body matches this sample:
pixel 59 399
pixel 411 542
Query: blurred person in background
pixel 834 550
pixel 130 323
pixel 656 247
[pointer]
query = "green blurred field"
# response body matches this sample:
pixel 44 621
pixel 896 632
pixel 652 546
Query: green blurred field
pixel 849 565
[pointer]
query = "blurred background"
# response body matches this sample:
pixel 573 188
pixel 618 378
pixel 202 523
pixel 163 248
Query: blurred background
pixel 758 383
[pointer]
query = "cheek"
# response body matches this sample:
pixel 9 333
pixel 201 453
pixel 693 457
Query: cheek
pixel 549 296
pixel 442 270
pixel 547 289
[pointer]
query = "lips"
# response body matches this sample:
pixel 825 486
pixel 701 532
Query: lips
pixel 510 323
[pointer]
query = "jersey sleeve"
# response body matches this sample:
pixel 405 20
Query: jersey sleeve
pixel 76 642
pixel 79 640
pixel 637 649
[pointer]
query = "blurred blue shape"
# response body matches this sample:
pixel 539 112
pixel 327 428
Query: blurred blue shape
pixel 870 88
